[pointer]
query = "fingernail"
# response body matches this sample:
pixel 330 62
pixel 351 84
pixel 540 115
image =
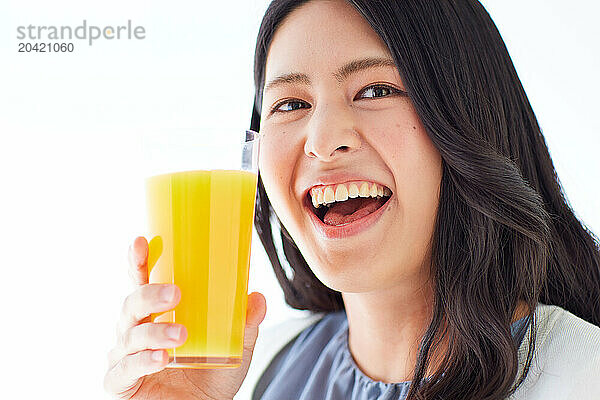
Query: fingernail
pixel 157 355
pixel 173 332
pixel 167 294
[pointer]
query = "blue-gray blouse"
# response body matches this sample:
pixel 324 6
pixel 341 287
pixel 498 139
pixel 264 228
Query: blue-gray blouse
pixel 318 365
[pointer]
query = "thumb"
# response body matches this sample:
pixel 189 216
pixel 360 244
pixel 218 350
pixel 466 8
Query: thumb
pixel 255 314
pixel 256 309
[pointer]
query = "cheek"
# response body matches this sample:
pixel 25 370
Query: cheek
pixel 402 142
pixel 421 180
pixel 275 164
pixel 388 131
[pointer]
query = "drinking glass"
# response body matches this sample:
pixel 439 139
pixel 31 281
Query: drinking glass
pixel 200 197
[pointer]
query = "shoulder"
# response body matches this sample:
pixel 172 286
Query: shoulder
pixel 270 341
pixel 566 361
pixel 565 339
pixel 303 331
pixel 288 329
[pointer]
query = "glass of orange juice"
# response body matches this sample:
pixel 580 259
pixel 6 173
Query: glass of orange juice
pixel 200 197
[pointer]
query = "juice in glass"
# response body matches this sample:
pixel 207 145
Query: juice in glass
pixel 200 226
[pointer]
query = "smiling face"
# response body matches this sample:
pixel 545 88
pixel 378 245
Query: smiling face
pixel 334 107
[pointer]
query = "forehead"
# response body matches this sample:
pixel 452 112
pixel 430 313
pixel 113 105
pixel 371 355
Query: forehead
pixel 319 37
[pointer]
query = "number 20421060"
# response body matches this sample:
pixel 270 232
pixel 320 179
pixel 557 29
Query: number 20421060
pixel 46 47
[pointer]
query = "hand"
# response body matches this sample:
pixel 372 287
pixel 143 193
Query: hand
pixel 136 365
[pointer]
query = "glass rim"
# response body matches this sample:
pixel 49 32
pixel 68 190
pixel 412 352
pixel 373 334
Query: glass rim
pixel 170 150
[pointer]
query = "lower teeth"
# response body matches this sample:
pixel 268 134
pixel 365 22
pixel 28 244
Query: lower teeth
pixel 347 223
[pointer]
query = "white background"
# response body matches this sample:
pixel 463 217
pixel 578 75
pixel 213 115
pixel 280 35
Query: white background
pixel 72 193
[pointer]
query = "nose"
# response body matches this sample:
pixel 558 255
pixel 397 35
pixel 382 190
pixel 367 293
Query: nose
pixel 331 131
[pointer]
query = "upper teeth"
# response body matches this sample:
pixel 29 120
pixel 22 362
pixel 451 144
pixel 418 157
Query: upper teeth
pixel 340 192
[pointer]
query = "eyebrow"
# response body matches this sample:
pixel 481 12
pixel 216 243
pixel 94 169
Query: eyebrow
pixel 340 75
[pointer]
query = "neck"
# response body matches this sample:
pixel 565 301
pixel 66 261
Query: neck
pixel 385 329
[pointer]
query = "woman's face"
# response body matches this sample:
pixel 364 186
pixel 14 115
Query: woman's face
pixel 332 123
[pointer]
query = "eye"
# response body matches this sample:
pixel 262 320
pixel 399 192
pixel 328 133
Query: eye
pixel 375 91
pixel 289 105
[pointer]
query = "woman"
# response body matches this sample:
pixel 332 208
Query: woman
pixel 420 217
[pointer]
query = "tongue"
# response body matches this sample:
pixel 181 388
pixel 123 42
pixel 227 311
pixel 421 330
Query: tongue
pixel 352 209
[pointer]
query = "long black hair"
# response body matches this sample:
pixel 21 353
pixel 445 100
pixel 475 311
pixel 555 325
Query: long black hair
pixel 504 231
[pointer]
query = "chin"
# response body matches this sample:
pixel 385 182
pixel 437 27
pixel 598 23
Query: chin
pixel 353 279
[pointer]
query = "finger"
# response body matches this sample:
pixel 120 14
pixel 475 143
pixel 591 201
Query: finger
pixel 145 300
pixel 148 336
pixel 138 261
pixel 126 373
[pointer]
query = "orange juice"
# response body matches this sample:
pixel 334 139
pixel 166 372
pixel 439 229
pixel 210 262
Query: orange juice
pixel 200 225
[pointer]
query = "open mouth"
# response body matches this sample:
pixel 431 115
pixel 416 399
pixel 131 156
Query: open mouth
pixel 345 212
